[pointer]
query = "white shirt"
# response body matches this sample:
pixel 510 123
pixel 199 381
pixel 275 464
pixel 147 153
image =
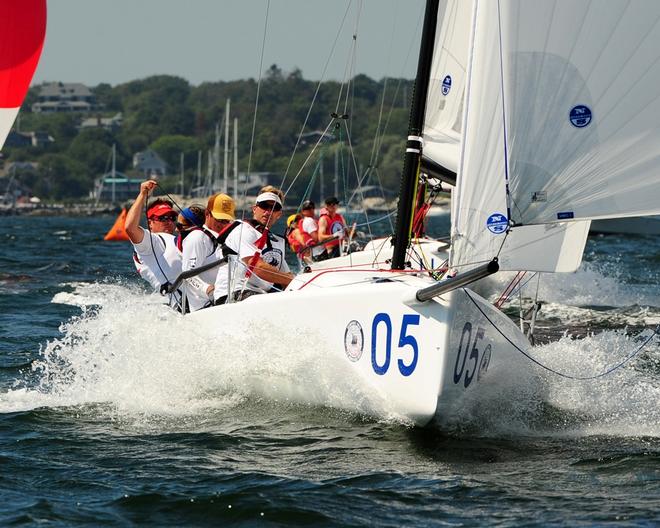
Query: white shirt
pixel 198 250
pixel 243 240
pixel 310 225
pixel 158 259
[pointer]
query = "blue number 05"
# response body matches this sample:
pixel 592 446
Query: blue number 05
pixel 404 340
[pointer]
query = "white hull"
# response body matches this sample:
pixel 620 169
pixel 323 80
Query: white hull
pixel 359 341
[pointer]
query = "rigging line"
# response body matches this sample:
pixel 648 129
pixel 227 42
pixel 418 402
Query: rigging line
pixel 318 88
pixel 388 215
pixel 519 286
pixel 561 374
pixel 382 190
pixel 318 141
pixel 506 148
pixel 256 101
pixel 401 80
pixel 355 168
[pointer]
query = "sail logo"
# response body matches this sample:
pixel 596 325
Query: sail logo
pixel 580 116
pixel 497 223
pixel 446 84
pixel 354 340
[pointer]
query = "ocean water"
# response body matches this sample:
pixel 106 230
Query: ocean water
pixel 108 416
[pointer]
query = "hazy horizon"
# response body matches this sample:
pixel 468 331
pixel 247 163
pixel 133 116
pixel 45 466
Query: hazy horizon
pixel 93 42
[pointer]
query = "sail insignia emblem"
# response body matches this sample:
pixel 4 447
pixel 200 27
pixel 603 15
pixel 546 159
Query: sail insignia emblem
pixel 354 340
pixel 580 116
pixel 446 84
pixel 497 223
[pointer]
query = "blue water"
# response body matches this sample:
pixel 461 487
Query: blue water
pixel 108 417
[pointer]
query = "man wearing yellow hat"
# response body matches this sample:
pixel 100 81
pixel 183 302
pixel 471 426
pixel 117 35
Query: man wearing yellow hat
pixel 201 247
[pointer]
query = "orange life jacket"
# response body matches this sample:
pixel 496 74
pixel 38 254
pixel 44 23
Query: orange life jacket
pixel 336 223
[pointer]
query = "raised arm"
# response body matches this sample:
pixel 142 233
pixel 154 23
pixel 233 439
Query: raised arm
pixel 132 223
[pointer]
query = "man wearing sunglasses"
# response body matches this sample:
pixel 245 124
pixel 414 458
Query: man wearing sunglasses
pixel 155 254
pixel 258 264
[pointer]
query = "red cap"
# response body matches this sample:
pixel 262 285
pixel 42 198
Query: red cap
pixel 159 210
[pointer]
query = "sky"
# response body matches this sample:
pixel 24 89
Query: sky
pixel 115 41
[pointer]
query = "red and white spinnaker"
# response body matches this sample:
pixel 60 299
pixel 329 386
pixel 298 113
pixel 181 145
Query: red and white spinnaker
pixel 22 32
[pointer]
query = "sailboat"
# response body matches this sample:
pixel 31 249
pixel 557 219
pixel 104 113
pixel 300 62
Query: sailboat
pixel 546 115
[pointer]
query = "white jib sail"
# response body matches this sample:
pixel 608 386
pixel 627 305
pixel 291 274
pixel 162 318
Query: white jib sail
pixel 444 102
pixel 582 98
pixel 480 222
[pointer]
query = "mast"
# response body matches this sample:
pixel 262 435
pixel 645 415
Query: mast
pixel 226 157
pixel 181 171
pixel 236 159
pixel 114 170
pixel 410 173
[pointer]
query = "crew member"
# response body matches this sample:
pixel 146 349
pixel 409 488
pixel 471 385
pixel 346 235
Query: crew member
pixel 202 247
pixel 332 225
pixel 190 219
pixel 258 263
pixel 309 227
pixel 155 254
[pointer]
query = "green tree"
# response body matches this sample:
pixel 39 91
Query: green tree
pixel 171 147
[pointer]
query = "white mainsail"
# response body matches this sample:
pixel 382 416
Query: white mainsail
pixel 581 84
pixel 480 230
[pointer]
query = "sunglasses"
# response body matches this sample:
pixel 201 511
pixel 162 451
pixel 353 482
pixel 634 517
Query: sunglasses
pixel 164 218
pixel 269 206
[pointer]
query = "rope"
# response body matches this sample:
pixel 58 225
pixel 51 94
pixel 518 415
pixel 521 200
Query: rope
pixel 561 374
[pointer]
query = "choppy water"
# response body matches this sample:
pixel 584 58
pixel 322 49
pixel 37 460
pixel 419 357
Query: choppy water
pixel 107 416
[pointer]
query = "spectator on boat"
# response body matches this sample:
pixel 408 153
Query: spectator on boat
pixel 258 264
pixel 155 254
pixel 309 228
pixel 202 246
pixel 332 226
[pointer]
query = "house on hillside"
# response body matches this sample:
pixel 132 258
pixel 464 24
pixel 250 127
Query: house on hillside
pixel 28 139
pixel 116 187
pixel 65 97
pixel 113 124
pixel 149 163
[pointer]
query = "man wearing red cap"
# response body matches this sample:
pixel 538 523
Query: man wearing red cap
pixel 201 247
pixel 155 254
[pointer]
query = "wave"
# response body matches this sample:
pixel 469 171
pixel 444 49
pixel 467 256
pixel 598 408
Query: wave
pixel 129 356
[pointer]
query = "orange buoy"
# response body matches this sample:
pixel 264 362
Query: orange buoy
pixel 117 231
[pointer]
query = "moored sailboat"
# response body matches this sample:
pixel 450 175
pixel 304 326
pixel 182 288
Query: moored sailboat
pixel 546 122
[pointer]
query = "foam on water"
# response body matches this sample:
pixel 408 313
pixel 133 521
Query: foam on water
pixel 584 296
pixel 130 351
pixel 623 403
pixel 136 357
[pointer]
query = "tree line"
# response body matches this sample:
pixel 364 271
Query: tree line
pixel 171 116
